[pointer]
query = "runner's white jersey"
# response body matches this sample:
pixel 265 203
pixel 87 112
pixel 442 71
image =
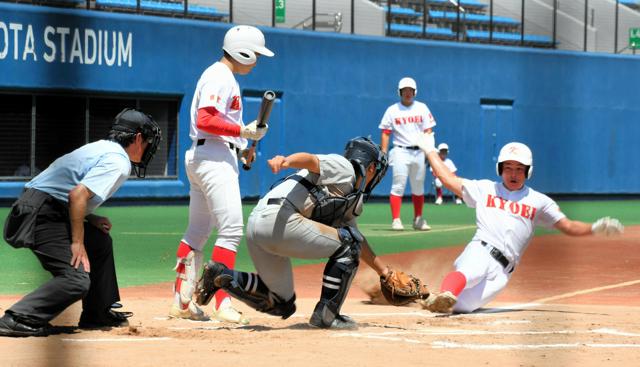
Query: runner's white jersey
pixel 507 219
pixel 449 164
pixel 218 88
pixel 407 122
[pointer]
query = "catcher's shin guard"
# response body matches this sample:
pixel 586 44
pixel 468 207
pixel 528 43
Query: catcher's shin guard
pixel 247 287
pixel 337 277
pixel 186 276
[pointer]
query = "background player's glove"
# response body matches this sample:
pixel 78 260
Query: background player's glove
pixel 426 142
pixel 607 226
pixel 253 132
pixel 399 288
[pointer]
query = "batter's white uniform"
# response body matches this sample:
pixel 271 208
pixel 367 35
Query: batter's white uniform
pixel 450 165
pixel 506 221
pixel 407 160
pixel 212 168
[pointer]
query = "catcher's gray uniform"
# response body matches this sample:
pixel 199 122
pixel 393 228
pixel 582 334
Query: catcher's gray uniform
pixel 279 228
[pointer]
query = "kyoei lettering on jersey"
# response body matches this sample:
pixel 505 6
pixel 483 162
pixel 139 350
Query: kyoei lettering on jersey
pixel 513 207
pixel 403 120
pixel 61 44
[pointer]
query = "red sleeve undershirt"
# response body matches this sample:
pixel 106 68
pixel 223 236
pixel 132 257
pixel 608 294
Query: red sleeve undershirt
pixel 387 131
pixel 210 121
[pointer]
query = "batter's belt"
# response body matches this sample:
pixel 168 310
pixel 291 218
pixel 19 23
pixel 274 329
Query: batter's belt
pixel 411 147
pixel 497 254
pixel 231 145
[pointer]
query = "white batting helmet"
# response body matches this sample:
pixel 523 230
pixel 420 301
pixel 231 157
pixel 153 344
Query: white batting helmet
pixel 516 152
pixel 243 42
pixel 407 82
pixel 443 146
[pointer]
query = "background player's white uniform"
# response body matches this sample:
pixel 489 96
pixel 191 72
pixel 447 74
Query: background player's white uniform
pixel 407 160
pixel 506 221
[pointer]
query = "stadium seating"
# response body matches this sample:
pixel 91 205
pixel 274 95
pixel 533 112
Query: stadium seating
pixel 398 12
pixel 509 38
pixel 633 4
pixel 161 8
pixel 413 30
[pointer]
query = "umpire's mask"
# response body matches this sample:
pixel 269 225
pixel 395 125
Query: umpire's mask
pixel 134 121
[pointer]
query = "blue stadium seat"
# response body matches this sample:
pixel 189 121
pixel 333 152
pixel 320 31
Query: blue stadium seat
pixel 404 12
pixel 468 17
pixel 416 30
pixel 509 37
pixel 161 7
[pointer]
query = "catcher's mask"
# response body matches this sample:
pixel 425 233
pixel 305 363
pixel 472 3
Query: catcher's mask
pixel 131 120
pixel 361 152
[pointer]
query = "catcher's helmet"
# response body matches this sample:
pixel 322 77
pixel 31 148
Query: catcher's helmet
pixel 243 42
pixel 133 121
pixel 516 152
pixel 407 82
pixel 361 152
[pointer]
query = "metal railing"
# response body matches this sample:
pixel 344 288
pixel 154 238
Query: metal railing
pixel 586 25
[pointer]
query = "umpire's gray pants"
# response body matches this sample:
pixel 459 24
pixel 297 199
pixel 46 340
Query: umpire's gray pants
pixel 276 233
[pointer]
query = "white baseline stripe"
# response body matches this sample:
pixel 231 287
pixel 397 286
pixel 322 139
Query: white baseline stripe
pixel 416 233
pixel 109 340
pixel 451 345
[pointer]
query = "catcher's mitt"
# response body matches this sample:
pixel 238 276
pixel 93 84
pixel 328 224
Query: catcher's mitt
pixel 399 288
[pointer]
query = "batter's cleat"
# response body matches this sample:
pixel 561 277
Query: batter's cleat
pixel 440 303
pixel 458 201
pixel 207 287
pixel 10 326
pixel 192 312
pixel 396 225
pixel 420 224
pixel 230 314
pixel 439 200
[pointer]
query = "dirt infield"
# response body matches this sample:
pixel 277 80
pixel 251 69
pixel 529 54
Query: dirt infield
pixel 571 302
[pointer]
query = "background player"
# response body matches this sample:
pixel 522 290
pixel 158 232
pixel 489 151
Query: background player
pixel 507 213
pixel 443 152
pixel 288 222
pixel 218 134
pixel 54 219
pixel 406 120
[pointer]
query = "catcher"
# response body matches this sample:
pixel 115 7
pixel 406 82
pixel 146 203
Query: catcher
pixel 312 214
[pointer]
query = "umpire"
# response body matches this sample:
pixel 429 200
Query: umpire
pixel 53 218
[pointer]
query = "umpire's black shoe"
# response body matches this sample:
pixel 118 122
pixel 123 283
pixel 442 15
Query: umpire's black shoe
pixel 207 285
pixel 10 326
pixel 109 319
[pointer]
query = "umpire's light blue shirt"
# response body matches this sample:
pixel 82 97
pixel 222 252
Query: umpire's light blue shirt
pixel 102 166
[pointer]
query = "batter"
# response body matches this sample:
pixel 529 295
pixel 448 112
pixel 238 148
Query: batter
pixel 219 135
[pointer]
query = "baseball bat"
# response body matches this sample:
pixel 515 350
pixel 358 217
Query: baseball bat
pixel 262 119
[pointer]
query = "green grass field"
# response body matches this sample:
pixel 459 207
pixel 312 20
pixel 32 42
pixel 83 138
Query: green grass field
pixel 146 238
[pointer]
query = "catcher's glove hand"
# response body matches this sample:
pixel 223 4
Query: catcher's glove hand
pixel 399 288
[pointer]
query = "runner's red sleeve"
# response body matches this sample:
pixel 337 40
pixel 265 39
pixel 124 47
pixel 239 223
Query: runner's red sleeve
pixel 210 121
